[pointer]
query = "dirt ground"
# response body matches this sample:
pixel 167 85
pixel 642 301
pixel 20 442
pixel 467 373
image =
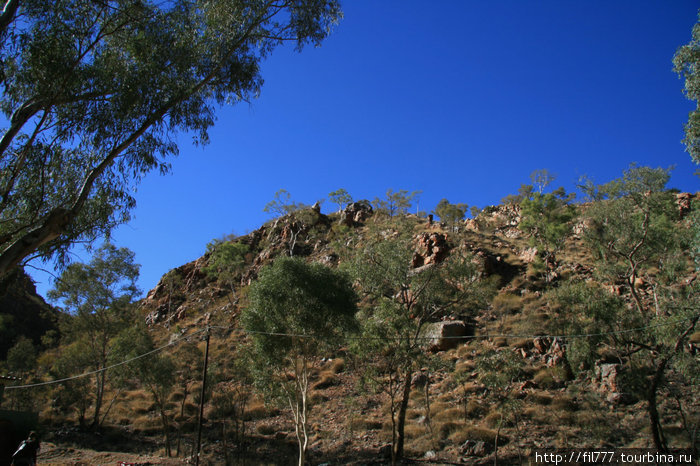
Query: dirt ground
pixel 52 454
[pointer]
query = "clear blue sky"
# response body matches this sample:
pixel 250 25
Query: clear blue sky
pixel 460 99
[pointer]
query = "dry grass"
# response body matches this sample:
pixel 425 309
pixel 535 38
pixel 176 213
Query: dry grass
pixel 256 409
pixel 452 414
pixel 542 399
pixel 361 424
pixel 507 303
pixel 146 424
pixel 326 379
pixel 479 434
pixel 549 377
pixel 265 429
pixel 337 365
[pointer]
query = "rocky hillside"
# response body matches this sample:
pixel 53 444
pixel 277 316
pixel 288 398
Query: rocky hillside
pixel 458 411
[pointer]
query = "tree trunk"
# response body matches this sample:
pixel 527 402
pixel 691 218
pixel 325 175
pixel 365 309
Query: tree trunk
pixel 656 429
pixel 99 394
pixel 401 421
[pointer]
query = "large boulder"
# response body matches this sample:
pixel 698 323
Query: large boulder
pixel 446 335
pixel 356 213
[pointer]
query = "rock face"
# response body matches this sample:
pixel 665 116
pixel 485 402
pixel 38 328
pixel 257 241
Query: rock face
pixel 356 213
pixel 432 249
pixel 22 311
pixel 445 335
pixel 684 202
pixel 166 299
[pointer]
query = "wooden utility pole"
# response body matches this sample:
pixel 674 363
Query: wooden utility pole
pixel 201 402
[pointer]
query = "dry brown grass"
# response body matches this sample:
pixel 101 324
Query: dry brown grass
pixel 255 409
pixel 507 303
pixel 539 398
pixel 326 379
pixel 452 414
pixel 265 429
pixel 466 432
pixel 146 424
pixel 337 365
pixel 549 377
pixel 361 424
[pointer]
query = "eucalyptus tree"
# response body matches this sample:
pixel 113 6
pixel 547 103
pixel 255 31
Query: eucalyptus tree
pixel 95 92
pixel 156 373
pixel 638 238
pixel 452 214
pixel 296 311
pixel 396 202
pixel 99 295
pixel 402 300
pixel 686 62
pixel 340 197
pixel 226 260
pixel 546 218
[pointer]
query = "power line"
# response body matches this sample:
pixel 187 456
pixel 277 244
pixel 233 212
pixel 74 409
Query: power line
pixel 360 338
pixel 85 374
pixel 475 337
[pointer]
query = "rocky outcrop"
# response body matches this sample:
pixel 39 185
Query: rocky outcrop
pixel 684 202
pixel 167 298
pixel 356 213
pixel 432 248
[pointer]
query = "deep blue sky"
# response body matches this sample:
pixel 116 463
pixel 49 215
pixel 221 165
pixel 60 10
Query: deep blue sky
pixel 460 99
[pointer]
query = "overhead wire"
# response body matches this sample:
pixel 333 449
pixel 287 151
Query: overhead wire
pixel 112 366
pixel 350 337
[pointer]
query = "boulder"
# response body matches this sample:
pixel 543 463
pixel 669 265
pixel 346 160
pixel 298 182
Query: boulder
pixel 445 335
pixel 608 377
pixel 356 213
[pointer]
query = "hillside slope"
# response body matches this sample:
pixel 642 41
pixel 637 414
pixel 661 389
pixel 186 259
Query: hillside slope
pixel 455 413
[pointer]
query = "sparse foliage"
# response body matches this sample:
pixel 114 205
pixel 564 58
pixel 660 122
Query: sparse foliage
pixel 546 217
pixel 340 197
pixel 541 179
pixel 282 204
pixel 452 214
pixel 403 302
pixel 395 203
pixel 636 238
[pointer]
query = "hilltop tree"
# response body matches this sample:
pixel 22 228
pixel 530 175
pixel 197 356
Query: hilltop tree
pixel 686 62
pixel 340 197
pixel 312 304
pixel 541 179
pixel 452 214
pixel 395 202
pixel 95 93
pixel 99 295
pixel 282 204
